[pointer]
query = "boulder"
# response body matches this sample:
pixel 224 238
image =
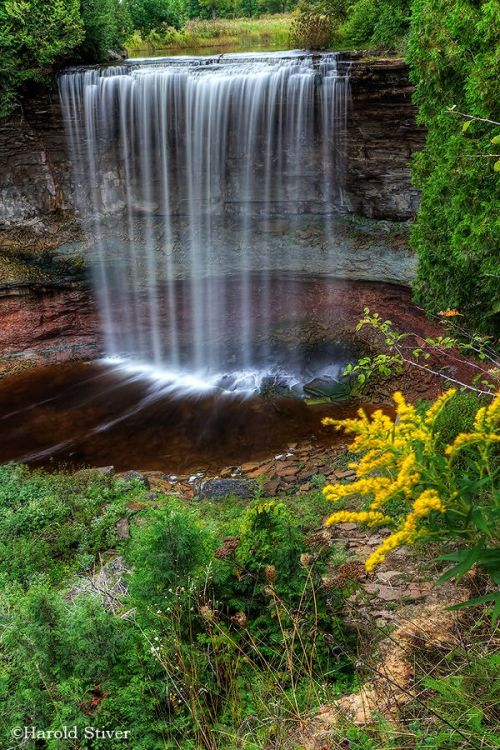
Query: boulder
pixel 214 488
pixel 122 528
pixel 136 476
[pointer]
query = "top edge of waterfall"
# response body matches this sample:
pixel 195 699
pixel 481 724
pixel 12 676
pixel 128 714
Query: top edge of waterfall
pixel 224 58
pixel 231 57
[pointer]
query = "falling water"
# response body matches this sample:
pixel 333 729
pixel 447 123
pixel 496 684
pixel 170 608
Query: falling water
pixel 176 163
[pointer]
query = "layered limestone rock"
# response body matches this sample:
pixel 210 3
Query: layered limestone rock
pixel 35 189
pixel 381 137
pixel 47 312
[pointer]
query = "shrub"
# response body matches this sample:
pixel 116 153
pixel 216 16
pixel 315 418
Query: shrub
pixel 107 25
pixel 314 23
pixel 34 34
pixel 63 662
pixel 456 416
pixel 169 552
pixel 377 23
pixel 453 54
pixel 55 524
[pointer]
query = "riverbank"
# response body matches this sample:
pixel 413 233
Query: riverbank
pixel 270 32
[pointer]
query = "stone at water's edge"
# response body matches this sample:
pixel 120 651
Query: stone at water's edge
pixel 136 476
pixel 218 488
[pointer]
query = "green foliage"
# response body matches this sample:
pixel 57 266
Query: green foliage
pixel 410 481
pixel 34 34
pixel 377 23
pixel 214 651
pixel 315 23
pixel 167 553
pixel 56 524
pixel 455 417
pixel 107 25
pixel 469 701
pixel 62 662
pixel 431 354
pixel 454 55
pixel 201 643
pixel 153 15
pixel 223 32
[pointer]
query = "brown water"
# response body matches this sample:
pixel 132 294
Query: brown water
pixel 92 414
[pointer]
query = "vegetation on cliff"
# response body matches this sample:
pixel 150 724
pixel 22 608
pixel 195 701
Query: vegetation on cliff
pixel 454 57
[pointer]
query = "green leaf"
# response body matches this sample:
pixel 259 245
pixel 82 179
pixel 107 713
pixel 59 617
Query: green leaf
pixel 493 597
pixel 458 571
pixel 496 166
pixel 466 126
pixel 495 140
pixel 480 522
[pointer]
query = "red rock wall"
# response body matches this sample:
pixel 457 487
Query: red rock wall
pixel 40 325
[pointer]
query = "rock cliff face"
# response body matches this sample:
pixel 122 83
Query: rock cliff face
pixel 35 189
pixel 35 182
pixel 382 135
pixel 50 319
pixel 40 324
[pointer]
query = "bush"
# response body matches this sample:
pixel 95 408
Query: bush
pixel 315 22
pixel 34 34
pixel 168 553
pixel 453 56
pixel 153 15
pixel 107 25
pixel 456 416
pixel 377 23
pixel 55 524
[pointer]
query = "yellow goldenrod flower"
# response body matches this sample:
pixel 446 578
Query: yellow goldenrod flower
pixel 494 410
pixel 469 438
pixel 391 542
pixel 437 406
pixel 398 461
pixel 349 516
pixel 426 502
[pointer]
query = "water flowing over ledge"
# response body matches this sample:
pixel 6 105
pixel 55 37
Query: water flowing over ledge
pixel 190 155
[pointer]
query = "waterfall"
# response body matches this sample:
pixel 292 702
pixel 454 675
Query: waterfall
pixel 180 167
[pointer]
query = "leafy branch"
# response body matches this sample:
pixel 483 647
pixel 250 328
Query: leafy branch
pixel 398 354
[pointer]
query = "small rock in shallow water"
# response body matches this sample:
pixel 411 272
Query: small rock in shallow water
pixel 211 488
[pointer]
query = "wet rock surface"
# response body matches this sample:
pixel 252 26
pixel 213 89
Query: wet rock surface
pixel 35 182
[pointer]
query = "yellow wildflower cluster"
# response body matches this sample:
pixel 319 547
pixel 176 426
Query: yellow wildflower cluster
pixel 348 516
pixel 485 428
pixel 397 463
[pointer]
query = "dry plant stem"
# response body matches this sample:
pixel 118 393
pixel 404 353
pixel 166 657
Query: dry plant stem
pixel 440 375
pixel 473 117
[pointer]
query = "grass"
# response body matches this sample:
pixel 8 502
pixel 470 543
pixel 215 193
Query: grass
pixel 259 675
pixel 222 33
